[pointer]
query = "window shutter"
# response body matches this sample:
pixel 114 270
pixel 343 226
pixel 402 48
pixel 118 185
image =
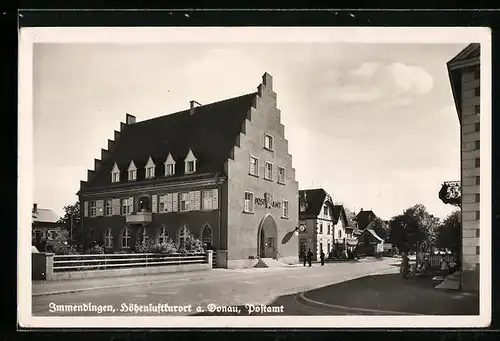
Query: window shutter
pixel 131 204
pixel 169 202
pixel 197 205
pixel 99 208
pixel 116 206
pixel 85 208
pixel 154 203
pixel 215 199
pixel 175 202
pixel 192 201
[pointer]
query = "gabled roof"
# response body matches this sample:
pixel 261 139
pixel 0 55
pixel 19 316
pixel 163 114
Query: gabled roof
pixel 339 213
pixel 314 198
pixel 44 215
pixel 363 218
pixel 372 234
pixel 210 131
pixel 466 58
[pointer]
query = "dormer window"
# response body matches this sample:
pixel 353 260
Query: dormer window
pixel 115 174
pixel 190 163
pixel 169 165
pixel 150 168
pixel 132 171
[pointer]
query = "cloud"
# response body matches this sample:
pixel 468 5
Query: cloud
pixel 395 84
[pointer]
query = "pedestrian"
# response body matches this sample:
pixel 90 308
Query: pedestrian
pixel 309 257
pixel 322 257
pixel 304 256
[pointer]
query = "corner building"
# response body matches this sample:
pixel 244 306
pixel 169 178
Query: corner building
pixel 221 171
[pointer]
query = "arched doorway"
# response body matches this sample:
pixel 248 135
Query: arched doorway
pixel 266 238
pixel 206 237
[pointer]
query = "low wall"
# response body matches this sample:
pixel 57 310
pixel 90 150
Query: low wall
pixel 128 272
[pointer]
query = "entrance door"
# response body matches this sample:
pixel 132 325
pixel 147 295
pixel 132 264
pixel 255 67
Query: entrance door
pixel 267 238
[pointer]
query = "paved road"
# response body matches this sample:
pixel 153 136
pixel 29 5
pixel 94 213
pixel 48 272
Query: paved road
pixel 221 288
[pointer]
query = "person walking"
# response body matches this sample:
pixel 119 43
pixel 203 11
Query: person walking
pixel 405 262
pixel 304 256
pixel 322 257
pixel 309 257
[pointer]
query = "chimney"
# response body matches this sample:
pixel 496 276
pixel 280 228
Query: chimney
pixel 35 207
pixel 192 105
pixel 129 119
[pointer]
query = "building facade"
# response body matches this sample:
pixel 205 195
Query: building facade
pixel 220 171
pixel 45 226
pixel 326 227
pixel 464 73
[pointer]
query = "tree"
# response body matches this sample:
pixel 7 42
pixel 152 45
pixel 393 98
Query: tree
pixel 72 219
pixel 414 227
pixel 380 227
pixel 59 245
pixel 448 233
pixel 351 217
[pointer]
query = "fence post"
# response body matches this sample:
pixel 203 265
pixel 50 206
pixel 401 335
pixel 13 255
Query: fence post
pixel 210 259
pixel 49 266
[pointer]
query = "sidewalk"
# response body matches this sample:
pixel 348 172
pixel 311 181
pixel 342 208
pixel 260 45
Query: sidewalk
pixel 390 293
pixel 41 288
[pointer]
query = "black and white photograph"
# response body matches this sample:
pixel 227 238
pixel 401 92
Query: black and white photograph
pixel 254 177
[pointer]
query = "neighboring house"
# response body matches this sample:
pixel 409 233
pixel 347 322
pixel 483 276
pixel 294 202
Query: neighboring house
pixel 221 171
pixel 343 234
pixel 45 226
pixel 464 73
pixel 369 243
pixel 363 218
pixel 326 226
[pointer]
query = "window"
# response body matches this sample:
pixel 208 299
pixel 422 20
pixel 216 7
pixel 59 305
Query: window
pixel 126 237
pixel 477 92
pixel 320 228
pixel 150 172
pixel 478 162
pixel 184 201
pixel 477 180
pixel 115 174
pixel 268 142
pixel 108 207
pixel 477 215
pixel 476 127
pixel 183 235
pixel 51 234
pixel 143 235
pixel 340 234
pixel 325 210
pixel 477 74
pixel 126 205
pixel 190 167
pixel 190 163
pixel 206 237
pixel 248 202
pixel 476 145
pixel 285 208
pixel 329 230
pixel 93 209
pixel 269 171
pixel 477 109
pixel 328 247
pixel 206 198
pixel 281 175
pixel 254 165
pixel 108 238
pixel 169 169
pixel 477 197
pixel 132 175
pixel 163 235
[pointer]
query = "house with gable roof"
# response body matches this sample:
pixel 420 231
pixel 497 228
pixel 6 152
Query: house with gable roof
pixel 221 171
pixel 45 226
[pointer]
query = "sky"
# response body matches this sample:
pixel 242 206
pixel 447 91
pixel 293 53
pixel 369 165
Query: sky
pixel 373 124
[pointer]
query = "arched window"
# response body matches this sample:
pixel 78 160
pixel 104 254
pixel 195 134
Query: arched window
pixel 162 234
pixel 108 238
pixel 206 236
pixel 143 234
pixel 183 234
pixel 126 237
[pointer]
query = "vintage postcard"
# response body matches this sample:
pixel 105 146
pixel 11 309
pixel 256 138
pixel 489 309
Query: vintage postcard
pixel 254 177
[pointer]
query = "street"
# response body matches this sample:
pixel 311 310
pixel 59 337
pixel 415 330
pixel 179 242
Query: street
pixel 224 291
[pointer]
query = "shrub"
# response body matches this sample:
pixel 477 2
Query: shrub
pixel 192 245
pixel 152 246
pixel 60 245
pixel 95 249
